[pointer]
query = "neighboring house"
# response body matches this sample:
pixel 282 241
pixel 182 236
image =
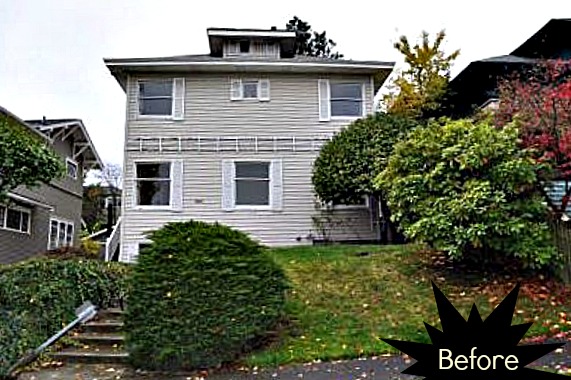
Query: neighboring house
pixel 48 216
pixel 231 137
pixel 477 85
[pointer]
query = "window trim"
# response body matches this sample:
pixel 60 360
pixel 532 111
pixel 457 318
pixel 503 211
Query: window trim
pixel 168 207
pixel 21 210
pixel 67 223
pixel 159 117
pixel 69 160
pixel 270 186
pixel 246 79
pixel 363 102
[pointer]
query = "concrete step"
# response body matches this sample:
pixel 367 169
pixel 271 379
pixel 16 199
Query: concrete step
pixel 94 356
pixel 99 339
pixel 103 326
pixel 113 312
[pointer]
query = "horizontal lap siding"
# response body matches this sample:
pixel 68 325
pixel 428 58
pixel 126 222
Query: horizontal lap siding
pixel 292 111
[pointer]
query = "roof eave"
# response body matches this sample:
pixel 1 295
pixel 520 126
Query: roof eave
pixel 95 162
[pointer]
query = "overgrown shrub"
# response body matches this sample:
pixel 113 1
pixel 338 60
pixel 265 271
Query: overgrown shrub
pixel 91 248
pixel 467 188
pixel 202 295
pixel 39 296
pixel 68 253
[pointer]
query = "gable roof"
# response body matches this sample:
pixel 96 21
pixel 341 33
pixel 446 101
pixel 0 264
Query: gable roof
pixel 83 144
pixel 547 42
pixel 478 82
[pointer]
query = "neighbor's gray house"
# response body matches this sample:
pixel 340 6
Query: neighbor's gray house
pixel 48 216
pixel 231 136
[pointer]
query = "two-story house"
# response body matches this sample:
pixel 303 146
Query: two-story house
pixel 231 136
pixel 48 216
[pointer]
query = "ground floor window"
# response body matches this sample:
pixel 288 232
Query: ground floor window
pixel 153 184
pixel 252 181
pixel 61 233
pixel 15 219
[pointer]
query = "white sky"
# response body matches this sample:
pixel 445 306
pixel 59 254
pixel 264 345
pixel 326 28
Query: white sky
pixel 51 50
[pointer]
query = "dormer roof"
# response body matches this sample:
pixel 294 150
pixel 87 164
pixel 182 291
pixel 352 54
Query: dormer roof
pixel 285 38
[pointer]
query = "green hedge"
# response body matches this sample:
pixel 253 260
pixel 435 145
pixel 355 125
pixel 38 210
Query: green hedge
pixel 202 295
pixel 38 297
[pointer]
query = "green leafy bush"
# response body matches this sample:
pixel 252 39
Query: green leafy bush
pixel 347 165
pixel 25 158
pixel 467 187
pixel 201 295
pixel 38 297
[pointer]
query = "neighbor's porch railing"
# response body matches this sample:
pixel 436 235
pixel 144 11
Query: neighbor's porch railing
pixel 112 242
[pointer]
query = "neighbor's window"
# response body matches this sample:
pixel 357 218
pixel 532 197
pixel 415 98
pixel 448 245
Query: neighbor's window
pixel 156 97
pixel 153 184
pixel 15 219
pixel 72 168
pixel 252 183
pixel 61 234
pixel 346 99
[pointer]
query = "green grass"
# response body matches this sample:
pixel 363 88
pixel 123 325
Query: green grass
pixel 342 303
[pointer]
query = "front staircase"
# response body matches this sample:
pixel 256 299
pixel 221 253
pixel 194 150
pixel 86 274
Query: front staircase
pixel 100 341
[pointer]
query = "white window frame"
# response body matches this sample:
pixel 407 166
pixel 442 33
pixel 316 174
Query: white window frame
pixel 363 101
pixel 167 117
pixel 258 97
pixel 135 182
pixel 22 210
pixel 59 221
pixel 270 186
pixel 71 161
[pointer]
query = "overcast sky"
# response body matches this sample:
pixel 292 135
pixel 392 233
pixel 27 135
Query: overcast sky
pixel 51 51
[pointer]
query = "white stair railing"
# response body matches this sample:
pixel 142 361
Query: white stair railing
pixel 113 240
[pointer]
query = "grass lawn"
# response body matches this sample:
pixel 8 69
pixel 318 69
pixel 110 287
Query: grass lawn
pixel 343 302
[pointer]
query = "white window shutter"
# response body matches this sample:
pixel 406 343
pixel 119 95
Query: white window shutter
pixel 324 103
pixel 235 89
pixel 177 180
pixel 228 174
pixel 264 90
pixel 276 184
pixel 178 99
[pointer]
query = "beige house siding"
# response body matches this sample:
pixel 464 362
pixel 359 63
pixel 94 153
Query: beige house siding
pixel 292 111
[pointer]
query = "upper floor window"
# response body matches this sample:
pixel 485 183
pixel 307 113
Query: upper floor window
pixel 72 168
pixel 156 97
pixel 346 99
pixel 15 219
pixel 161 98
pixel 250 89
pixel 244 46
pixel 340 99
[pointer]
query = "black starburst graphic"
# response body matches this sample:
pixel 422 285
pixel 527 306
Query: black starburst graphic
pixel 475 348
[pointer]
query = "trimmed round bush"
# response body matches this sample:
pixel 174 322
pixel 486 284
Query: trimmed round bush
pixel 201 296
pixel 39 296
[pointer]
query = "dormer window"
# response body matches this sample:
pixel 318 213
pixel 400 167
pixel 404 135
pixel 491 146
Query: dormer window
pixel 244 46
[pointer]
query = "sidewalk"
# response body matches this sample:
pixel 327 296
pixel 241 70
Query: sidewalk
pixel 378 368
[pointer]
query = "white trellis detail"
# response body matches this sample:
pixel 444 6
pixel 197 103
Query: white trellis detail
pixel 221 144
